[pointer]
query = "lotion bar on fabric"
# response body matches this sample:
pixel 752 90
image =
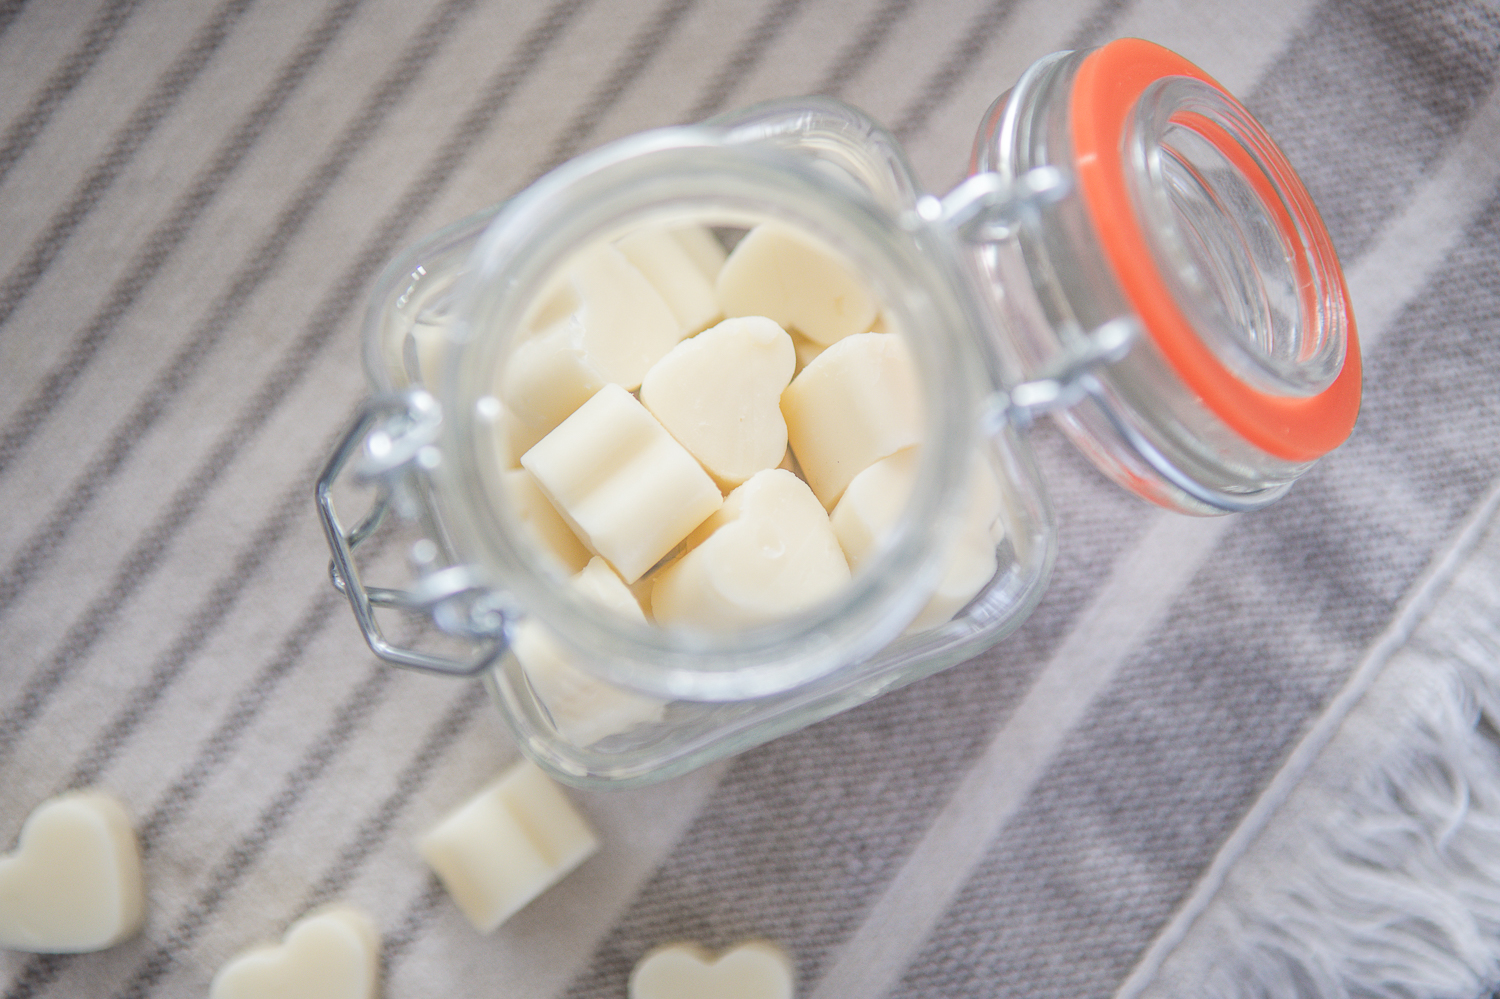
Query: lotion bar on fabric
pixel 757 969
pixel 786 275
pixel 719 394
pixel 506 845
pixel 629 490
pixel 547 526
pixel 868 512
pixel 619 325
pixel 74 883
pixel 331 953
pixel 678 267
pixel 771 554
pixel 583 708
pixel 856 403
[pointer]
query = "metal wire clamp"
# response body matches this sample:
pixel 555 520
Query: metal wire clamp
pixel 392 442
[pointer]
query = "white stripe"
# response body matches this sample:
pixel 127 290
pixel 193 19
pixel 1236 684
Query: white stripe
pixel 1141 587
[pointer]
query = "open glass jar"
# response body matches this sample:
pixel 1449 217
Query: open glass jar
pixel 1131 254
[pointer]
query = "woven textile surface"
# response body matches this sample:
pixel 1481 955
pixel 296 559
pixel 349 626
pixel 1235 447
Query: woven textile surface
pixel 196 200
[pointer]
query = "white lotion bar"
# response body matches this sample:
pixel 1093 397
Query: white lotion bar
pixel 583 708
pixel 754 970
pixel 618 326
pixel 868 512
pixel 680 265
pixel 629 490
pixel 856 403
pixel 74 883
pixel 547 526
pixel 331 953
pixel 771 554
pixel 779 272
pixel 719 394
pixel 506 845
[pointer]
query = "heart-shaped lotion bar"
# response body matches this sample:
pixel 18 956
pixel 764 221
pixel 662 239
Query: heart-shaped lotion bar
pixel 584 709
pixel 779 272
pixel 768 553
pixel 613 325
pixel 682 265
pixel 74 883
pixel 873 503
pixel 719 394
pixel 754 970
pixel 331 953
pixel 855 403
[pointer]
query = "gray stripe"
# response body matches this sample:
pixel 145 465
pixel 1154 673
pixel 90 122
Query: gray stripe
pixel 856 55
pixel 96 39
pixel 414 919
pixel 129 138
pixel 939 86
pixel 1099 25
pixel 160 244
pixel 747 56
pixel 376 828
pixel 247 850
pixel 9 9
pixel 1394 83
pixel 39 549
pixel 626 70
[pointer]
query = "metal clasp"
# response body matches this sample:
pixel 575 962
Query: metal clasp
pixel 1068 383
pixel 392 445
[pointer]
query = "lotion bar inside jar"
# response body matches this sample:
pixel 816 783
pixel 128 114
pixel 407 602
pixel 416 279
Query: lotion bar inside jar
pixel 639 457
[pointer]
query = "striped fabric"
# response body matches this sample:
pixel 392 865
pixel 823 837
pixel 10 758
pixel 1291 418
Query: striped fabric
pixel 196 199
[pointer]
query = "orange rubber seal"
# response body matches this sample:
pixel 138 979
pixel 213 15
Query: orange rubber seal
pixel 1109 84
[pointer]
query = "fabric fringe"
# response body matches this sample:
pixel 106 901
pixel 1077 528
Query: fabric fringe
pixel 1395 892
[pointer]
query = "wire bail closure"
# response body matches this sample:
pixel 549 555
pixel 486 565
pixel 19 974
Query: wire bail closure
pixel 392 447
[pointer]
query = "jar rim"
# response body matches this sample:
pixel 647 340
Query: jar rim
pixel 1107 91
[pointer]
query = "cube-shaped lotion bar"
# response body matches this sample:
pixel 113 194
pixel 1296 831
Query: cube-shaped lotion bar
pixel 617 327
pixel 628 489
pixel 506 845
pixel 583 708
pixel 874 501
pixel 719 394
pixel 856 403
pixel 770 554
pixel 682 264
pixel 784 274
pixel 546 525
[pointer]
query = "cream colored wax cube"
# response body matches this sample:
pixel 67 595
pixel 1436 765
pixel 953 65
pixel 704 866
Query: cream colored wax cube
pixel 627 488
pixel 872 504
pixel 856 403
pixel 74 883
pixel 583 708
pixel 506 845
pixel 719 394
pixel 682 264
pixel 770 554
pixel 547 527
pixel 786 275
pixel 613 326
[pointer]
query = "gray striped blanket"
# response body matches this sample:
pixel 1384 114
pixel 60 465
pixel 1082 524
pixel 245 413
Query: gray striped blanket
pixel 195 200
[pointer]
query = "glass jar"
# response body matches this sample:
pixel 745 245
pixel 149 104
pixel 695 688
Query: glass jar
pixel 1131 254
